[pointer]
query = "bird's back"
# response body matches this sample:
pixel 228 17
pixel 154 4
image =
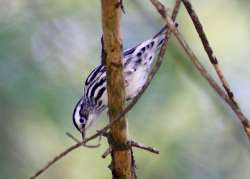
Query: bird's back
pixel 137 62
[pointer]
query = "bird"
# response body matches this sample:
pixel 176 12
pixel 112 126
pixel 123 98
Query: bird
pixel 137 62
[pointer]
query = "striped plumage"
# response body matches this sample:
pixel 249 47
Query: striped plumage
pixel 137 62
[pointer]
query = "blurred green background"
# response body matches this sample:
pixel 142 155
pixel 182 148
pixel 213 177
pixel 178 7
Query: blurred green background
pixel 48 47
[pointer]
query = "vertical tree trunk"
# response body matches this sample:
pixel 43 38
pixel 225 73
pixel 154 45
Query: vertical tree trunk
pixel 111 17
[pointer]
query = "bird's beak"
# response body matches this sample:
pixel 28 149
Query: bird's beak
pixel 83 134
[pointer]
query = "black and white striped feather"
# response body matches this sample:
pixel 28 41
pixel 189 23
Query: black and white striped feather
pixel 137 62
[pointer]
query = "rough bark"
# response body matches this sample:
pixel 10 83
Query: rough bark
pixel 121 159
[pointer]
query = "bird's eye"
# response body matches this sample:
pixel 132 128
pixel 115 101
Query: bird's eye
pixel 82 120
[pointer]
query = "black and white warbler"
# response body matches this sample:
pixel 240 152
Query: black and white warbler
pixel 137 62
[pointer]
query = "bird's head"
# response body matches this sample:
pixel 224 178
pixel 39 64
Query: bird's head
pixel 83 115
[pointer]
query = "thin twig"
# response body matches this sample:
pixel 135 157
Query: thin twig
pixel 85 145
pixel 131 143
pixel 125 111
pixel 246 125
pixel 58 157
pixel 176 9
pixel 144 147
pixel 133 164
pixel 107 152
pixel 136 144
pixel 214 61
pixel 208 48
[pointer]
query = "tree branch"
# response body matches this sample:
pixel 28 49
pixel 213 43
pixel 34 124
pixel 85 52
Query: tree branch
pixel 111 19
pixel 208 48
pixel 245 123
pixel 214 61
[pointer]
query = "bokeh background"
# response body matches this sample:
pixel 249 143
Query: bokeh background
pixel 48 47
